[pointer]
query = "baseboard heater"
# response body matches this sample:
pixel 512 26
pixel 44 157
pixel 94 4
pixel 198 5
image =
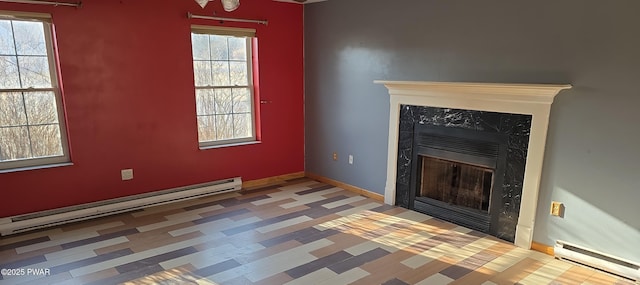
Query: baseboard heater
pixel 49 218
pixel 605 262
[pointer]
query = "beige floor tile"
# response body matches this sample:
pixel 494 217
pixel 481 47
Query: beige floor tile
pixel 299 226
pixel 428 256
pixel 346 277
pixel 283 224
pixel 343 202
pixel 601 279
pixel 470 249
pixel 275 211
pixel 241 280
pixel 358 209
pixel 547 273
pixel 506 260
pixel 161 240
pixel 384 268
pixel 309 198
pixel 340 241
pixel 266 252
pixel 423 272
pixel 436 279
pixel 413 216
pixel 102 274
pixel 517 271
pixel 282 261
pixel 344 222
pixel 574 276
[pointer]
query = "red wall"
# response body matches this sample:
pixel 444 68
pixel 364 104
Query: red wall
pixel 129 95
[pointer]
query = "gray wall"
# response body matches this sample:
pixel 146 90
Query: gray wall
pixel 592 157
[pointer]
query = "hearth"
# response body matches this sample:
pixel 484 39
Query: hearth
pixel 454 173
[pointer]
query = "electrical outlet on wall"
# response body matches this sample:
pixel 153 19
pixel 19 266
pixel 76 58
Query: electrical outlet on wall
pixel 557 209
pixel 126 174
pixel 350 159
pixel 335 155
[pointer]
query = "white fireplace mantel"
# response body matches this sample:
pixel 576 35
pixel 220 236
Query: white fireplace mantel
pixel 530 99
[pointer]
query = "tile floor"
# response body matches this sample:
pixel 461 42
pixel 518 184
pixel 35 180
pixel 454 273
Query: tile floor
pixel 299 232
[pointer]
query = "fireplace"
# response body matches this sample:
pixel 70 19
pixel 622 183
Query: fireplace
pixel 513 101
pixel 456 174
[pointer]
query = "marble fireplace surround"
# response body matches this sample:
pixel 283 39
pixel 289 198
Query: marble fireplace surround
pixel 527 99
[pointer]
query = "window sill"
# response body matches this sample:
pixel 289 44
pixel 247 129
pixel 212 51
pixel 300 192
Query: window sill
pixel 229 145
pixel 36 167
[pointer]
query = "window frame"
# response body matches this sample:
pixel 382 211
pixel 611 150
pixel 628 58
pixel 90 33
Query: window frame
pixel 248 36
pixel 48 161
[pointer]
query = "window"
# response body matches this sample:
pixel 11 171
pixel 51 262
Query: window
pixel 222 66
pixel 31 118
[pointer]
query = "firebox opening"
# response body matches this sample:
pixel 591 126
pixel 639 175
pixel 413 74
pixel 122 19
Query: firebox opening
pixel 455 183
pixel 457 175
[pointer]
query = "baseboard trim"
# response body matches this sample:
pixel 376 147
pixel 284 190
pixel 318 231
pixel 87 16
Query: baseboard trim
pixel 345 186
pixel 271 180
pixel 542 248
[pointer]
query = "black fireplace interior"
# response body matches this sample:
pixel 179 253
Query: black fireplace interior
pixel 456 183
pixel 445 168
pixel 454 174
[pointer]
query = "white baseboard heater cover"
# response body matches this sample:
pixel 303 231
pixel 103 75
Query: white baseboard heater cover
pixel 605 262
pixel 49 218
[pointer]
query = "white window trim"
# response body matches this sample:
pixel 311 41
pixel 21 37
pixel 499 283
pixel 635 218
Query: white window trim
pixel 41 162
pixel 248 34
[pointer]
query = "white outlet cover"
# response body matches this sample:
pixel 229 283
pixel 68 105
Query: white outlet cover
pixel 350 159
pixel 126 174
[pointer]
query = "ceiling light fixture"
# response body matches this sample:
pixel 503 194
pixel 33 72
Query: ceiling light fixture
pixel 230 5
pixel 202 3
pixel 227 5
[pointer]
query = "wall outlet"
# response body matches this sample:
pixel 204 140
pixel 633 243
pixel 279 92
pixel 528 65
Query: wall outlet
pixel 557 209
pixel 126 174
pixel 350 159
pixel 335 156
